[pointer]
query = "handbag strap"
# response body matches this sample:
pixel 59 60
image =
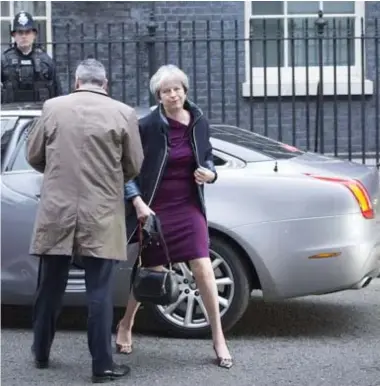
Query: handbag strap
pixel 161 240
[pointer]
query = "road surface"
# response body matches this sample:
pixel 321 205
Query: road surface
pixel 332 340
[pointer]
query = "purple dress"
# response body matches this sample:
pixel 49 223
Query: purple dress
pixel 177 205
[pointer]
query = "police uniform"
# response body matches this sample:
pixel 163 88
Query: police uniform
pixel 31 77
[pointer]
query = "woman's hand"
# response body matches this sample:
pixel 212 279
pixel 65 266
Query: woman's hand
pixel 203 175
pixel 142 210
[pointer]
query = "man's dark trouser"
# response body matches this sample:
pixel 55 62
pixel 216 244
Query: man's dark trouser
pixel 54 273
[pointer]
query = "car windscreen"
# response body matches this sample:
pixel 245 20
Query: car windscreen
pixel 253 141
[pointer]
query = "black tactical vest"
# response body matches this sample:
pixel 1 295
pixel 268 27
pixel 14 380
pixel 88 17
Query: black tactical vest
pixel 28 78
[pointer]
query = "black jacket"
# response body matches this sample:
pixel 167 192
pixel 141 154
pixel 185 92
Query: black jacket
pixel 154 137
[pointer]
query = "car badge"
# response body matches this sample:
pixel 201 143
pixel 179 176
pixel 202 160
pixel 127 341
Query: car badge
pixel 23 19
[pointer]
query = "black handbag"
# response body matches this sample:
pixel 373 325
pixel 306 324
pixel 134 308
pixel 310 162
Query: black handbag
pixel 158 287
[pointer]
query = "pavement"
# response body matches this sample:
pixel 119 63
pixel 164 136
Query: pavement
pixel 331 340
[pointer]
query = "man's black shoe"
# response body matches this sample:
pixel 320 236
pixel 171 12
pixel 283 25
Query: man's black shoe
pixel 39 364
pixel 111 374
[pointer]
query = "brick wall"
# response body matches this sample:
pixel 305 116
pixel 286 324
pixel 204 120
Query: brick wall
pixel 128 70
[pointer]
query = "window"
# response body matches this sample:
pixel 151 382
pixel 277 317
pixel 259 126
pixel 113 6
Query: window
pixel 17 160
pixel 218 161
pixel 20 162
pixel 284 36
pixel 259 148
pixel 41 12
pixel 7 128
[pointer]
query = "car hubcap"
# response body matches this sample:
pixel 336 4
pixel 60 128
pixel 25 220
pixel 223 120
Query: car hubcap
pixel 189 310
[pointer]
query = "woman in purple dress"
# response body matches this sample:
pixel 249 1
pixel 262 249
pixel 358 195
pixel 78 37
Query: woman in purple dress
pixel 177 162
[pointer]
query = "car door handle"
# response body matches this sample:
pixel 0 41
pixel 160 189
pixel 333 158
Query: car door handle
pixel 38 195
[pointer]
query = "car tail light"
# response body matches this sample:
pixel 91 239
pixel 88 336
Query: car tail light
pixel 359 192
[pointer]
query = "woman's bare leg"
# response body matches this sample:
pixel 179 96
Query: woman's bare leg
pixel 124 332
pixel 124 328
pixel 205 279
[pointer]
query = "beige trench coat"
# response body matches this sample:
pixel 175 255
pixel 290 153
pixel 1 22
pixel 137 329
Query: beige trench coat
pixel 87 145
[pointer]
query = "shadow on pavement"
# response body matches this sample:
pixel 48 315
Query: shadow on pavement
pixel 298 317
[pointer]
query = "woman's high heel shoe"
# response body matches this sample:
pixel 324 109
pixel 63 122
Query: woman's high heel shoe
pixel 123 348
pixel 225 363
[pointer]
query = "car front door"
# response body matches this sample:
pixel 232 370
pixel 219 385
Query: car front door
pixel 20 188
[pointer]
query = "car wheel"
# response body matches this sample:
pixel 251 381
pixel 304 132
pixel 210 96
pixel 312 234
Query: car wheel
pixel 187 317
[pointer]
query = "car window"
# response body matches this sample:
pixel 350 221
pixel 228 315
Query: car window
pixel 218 161
pixel 256 142
pixel 5 126
pixel 7 129
pixel 19 161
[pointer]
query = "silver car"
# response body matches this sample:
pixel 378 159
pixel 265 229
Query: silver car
pixel 283 221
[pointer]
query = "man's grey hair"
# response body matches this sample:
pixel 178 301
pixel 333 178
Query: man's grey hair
pixel 91 71
pixel 165 73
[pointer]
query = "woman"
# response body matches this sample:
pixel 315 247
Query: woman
pixel 178 161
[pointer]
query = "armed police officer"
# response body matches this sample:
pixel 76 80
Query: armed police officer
pixel 27 72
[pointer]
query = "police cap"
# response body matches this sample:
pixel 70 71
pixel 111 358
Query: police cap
pixel 23 21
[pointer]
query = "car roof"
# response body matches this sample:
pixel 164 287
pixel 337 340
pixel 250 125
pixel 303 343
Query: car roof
pixel 21 109
pixel 27 109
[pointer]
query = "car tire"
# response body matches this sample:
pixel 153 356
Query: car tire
pixel 152 316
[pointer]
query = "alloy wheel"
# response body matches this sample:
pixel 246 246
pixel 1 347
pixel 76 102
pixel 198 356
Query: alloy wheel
pixel 189 310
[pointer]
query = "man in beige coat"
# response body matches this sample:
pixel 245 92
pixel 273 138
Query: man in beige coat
pixel 88 146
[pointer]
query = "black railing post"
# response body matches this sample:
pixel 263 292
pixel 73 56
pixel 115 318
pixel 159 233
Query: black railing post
pixel 70 84
pixel 317 116
pixel 376 41
pixel 151 43
pixel 109 57
pixel 319 121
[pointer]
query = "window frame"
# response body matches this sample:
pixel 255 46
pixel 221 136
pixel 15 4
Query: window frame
pixel 301 89
pixel 47 18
